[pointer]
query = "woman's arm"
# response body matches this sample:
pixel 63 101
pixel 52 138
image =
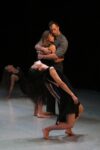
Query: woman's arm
pixel 41 49
pixel 13 80
pixel 61 84
pixel 51 54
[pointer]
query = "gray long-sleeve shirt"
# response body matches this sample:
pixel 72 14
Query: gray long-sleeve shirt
pixel 61 43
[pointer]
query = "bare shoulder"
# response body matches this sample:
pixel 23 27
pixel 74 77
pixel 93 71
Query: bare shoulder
pixel 52 71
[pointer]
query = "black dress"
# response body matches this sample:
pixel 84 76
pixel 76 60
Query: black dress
pixel 50 103
pixel 66 104
pixel 40 84
pixel 33 85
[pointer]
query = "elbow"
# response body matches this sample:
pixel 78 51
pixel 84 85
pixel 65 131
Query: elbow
pixel 36 47
pixel 61 84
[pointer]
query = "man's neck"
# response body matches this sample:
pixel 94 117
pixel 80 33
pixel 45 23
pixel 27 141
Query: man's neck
pixel 59 33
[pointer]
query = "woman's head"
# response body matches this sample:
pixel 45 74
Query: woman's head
pixel 38 65
pixel 10 68
pixel 47 37
pixel 50 38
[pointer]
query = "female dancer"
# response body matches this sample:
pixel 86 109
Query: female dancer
pixel 47 42
pixel 69 106
pixel 13 74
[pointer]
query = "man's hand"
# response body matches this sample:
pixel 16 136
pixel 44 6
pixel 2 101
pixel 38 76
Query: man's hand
pixel 52 56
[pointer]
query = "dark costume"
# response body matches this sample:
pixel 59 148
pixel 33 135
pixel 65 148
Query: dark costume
pixel 40 84
pixel 33 85
pixel 6 77
pixel 66 104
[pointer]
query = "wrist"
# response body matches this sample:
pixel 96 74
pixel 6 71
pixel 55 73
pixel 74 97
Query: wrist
pixel 72 94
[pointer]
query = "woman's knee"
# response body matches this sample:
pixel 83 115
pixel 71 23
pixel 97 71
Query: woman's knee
pixel 81 108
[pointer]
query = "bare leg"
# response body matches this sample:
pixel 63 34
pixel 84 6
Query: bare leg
pixel 69 131
pixel 35 109
pixel 38 107
pixel 13 80
pixel 40 113
pixel 60 126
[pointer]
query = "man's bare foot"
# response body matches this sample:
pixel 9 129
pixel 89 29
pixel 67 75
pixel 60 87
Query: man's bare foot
pixel 47 113
pixel 7 97
pixel 69 132
pixel 34 114
pixel 45 133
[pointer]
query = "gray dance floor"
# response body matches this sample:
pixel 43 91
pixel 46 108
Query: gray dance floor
pixel 20 130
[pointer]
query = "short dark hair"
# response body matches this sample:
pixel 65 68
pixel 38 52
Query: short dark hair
pixel 53 22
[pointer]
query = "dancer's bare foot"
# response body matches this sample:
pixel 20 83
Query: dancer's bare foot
pixel 69 132
pixel 45 133
pixel 43 116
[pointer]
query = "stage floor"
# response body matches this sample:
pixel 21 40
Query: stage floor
pixel 20 130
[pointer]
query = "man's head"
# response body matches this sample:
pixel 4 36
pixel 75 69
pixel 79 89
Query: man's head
pixel 54 28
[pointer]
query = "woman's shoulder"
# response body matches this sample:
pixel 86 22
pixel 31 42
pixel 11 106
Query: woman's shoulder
pixel 49 70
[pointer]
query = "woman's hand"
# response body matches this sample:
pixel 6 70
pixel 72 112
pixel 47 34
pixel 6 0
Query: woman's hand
pixel 75 98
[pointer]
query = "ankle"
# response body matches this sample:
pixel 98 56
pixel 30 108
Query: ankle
pixel 45 133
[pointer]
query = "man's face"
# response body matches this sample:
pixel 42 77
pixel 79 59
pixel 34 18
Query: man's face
pixel 54 29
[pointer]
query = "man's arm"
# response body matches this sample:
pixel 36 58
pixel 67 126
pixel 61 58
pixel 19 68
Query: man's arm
pixel 52 56
pixel 62 47
pixel 60 51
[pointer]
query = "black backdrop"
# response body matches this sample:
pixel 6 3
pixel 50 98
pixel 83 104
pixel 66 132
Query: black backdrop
pixel 22 23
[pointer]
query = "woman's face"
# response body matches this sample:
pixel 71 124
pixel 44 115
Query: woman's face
pixel 10 68
pixel 50 38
